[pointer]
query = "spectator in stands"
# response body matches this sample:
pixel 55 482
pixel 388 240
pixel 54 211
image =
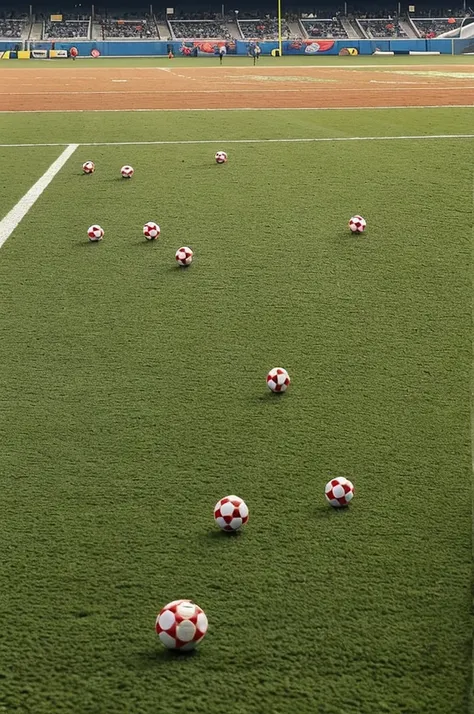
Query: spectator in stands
pixel 12 28
pixel 66 28
pixel 206 29
pixel 143 28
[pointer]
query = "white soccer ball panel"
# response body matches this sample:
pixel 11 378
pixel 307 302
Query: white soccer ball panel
pixel 244 511
pixel 202 623
pixel 168 641
pixel 185 631
pixel 227 509
pixel 186 609
pixel 236 523
pixel 166 619
pixel 338 491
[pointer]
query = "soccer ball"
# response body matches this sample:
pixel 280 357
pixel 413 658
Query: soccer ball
pixel 357 224
pixel 339 492
pixel 231 513
pixel 181 625
pixel 88 167
pixel 221 157
pixel 278 379
pixel 95 233
pixel 126 171
pixel 184 256
pixel 151 230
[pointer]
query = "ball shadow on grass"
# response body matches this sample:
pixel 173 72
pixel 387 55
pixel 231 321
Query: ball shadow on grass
pixel 86 243
pixel 327 511
pixel 179 268
pixel 161 655
pixel 269 397
pixel 216 535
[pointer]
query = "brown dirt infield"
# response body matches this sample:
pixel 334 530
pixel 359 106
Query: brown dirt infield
pixel 214 87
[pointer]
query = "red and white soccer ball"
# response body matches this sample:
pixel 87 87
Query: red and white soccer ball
pixel 151 230
pixel 231 513
pixel 181 625
pixel 126 171
pixel 339 492
pixel 278 380
pixel 221 157
pixel 357 224
pixel 88 167
pixel 95 233
pixel 184 256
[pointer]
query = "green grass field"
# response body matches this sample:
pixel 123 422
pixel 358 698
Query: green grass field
pixel 133 397
pixel 240 61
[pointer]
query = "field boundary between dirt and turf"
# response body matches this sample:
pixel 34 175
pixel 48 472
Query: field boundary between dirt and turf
pixel 301 140
pixel 19 211
pixel 239 109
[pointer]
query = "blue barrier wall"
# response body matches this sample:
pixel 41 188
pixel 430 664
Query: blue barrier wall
pixel 4 46
pixel 209 48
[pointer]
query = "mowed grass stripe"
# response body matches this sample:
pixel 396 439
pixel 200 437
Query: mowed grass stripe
pixel 179 126
pixel 300 140
pixel 140 399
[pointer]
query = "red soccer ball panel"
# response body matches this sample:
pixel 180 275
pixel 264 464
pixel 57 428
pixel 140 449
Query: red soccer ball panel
pixel 231 513
pixel 181 625
pixel 339 492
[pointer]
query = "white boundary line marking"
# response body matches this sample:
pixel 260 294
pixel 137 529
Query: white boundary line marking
pixel 310 65
pixel 309 140
pixel 18 212
pixel 239 109
pixel 259 90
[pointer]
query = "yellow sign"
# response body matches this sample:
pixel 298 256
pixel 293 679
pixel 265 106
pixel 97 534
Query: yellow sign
pixel 56 18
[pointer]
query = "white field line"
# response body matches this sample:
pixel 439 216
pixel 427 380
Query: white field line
pixel 381 65
pixel 18 212
pixel 239 109
pixel 310 140
pixel 260 90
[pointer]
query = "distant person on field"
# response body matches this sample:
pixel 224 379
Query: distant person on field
pixel 257 51
pixel 222 53
pixel 73 52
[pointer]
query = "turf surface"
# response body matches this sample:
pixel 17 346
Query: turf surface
pixel 133 398
pixel 234 61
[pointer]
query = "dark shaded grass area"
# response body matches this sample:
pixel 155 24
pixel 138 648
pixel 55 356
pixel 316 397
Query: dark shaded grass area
pixel 133 398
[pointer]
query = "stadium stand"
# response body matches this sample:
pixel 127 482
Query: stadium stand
pixel 199 29
pixel 66 28
pixel 382 27
pixel 141 29
pixel 12 28
pixel 433 26
pixel 324 28
pixel 266 29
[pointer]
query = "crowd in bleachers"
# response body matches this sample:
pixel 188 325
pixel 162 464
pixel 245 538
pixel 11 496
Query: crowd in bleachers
pixel 324 28
pixel 200 30
pixel 66 28
pixel 435 26
pixel 266 29
pixel 140 29
pixel 11 28
pixel 441 12
pixel 383 28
